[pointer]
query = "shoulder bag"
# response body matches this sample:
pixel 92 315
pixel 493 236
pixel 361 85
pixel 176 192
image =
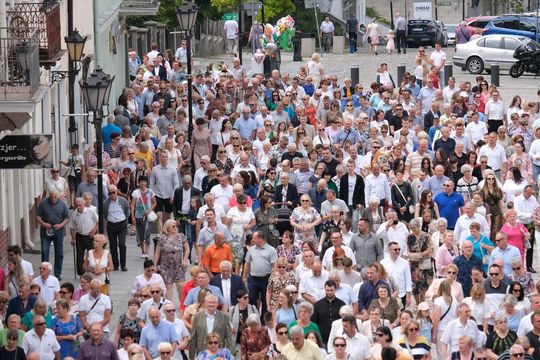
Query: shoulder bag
pixel 410 207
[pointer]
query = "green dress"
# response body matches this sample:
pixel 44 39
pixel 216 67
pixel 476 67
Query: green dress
pixel 311 327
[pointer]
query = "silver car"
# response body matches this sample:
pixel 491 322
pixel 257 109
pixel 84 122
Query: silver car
pixel 451 29
pixel 477 55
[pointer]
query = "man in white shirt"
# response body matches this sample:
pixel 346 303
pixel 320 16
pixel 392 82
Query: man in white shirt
pixel 219 212
pixel 50 286
pixel 231 34
pixel 525 324
pixel 358 346
pixel 304 267
pixel 337 326
pixel 181 330
pixel 312 284
pixel 462 230
pixel 450 90
pixel 524 205
pixel 41 340
pixel 377 185
pixel 327 32
pixel 463 325
pixel 14 251
pixel 95 307
pixel 244 165
pixel 344 292
pixel 495 153
pixel 399 269
pixel 223 192
pixel 475 129
pixel 438 58
pixel 337 242
pixel 495 111
pixel 393 230
pixel 83 226
pixel 262 117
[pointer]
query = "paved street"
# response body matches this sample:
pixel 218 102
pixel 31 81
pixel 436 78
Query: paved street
pixel 526 86
pixel 336 64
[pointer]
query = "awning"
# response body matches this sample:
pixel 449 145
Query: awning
pixel 12 120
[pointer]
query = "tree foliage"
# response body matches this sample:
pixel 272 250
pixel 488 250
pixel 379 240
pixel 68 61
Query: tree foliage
pixel 273 9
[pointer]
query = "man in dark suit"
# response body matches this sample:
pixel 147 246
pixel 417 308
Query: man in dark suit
pixel 357 201
pixel 199 328
pixel 182 201
pixel 228 283
pixel 286 193
pixel 159 69
pixel 431 115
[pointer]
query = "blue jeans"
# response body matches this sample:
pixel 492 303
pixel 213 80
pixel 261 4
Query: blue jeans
pixel 536 171
pixel 58 240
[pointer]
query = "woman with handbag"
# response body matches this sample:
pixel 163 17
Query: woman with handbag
pixel 68 329
pixel 173 251
pixel 98 261
pixel 143 203
pixel 372 36
pixel 420 252
pixel 402 196
pixel 240 220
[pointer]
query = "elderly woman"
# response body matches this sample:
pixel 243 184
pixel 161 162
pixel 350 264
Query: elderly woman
pixel 240 220
pixel 40 308
pixel 438 236
pixel 446 253
pixel 522 276
pixel 68 329
pixel 98 261
pixel 84 286
pixel 517 233
pixel 415 343
pixel 329 226
pixel 465 348
pixel 480 308
pixel 304 219
pixel 369 327
pixel 468 184
pixel 374 212
pixel 481 243
pixel 254 338
pixel 305 310
pixel 420 252
pixel 215 349
pixel 279 279
pixel 4 300
pixel 388 307
pixel 501 339
pixel 509 311
pixel 288 250
pixel 173 251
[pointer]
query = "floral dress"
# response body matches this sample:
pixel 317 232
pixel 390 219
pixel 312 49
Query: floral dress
pixel 309 217
pixel 222 354
pixel 289 255
pixel 420 277
pixel 171 255
pixel 253 341
pixel 131 324
pixel 276 283
pixel 239 219
pixel 68 348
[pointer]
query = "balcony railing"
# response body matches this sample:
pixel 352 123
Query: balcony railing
pixel 19 64
pixel 43 16
pixel 139 7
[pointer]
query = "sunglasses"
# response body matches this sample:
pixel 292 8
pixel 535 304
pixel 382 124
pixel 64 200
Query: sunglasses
pixel 213 343
pixel 155 291
pixel 494 274
pixel 340 345
pixel 165 352
pixel 282 333
pixel 451 272
pixel 169 311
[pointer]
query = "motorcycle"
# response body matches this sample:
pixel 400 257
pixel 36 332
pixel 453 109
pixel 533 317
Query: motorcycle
pixel 528 56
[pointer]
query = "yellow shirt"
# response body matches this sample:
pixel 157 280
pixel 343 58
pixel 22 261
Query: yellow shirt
pixel 310 351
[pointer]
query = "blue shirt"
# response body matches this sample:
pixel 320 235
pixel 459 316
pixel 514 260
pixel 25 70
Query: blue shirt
pixel 343 135
pixel 309 89
pixel 245 127
pixel 479 251
pixel 436 186
pixel 414 89
pixel 464 273
pixel 449 206
pixel 506 255
pixel 191 297
pixel 152 336
pixel 367 293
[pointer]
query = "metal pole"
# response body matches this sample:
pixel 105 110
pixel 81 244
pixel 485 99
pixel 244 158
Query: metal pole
pixel 400 72
pixel 355 75
pixel 99 152
pixel 495 74
pixel 239 6
pixel 190 90
pixel 318 30
pixel 448 72
pixel 463 10
pixel 262 12
pixel 72 129
pixel 391 15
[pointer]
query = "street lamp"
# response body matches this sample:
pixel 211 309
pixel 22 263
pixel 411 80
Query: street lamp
pixel 96 90
pixel 187 15
pixel 75 46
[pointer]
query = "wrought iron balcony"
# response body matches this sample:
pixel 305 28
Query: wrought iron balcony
pixel 43 16
pixel 19 64
pixel 139 7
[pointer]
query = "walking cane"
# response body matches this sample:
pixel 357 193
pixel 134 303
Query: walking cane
pixel 74 261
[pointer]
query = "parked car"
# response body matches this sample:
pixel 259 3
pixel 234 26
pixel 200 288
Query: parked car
pixel 451 31
pixel 478 22
pixel 423 32
pixel 513 25
pixel 444 33
pixel 477 55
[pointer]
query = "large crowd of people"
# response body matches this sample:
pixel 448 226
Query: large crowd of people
pixel 301 217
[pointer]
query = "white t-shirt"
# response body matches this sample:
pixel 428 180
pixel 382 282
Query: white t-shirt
pixel 231 29
pixel 450 315
pixel 437 57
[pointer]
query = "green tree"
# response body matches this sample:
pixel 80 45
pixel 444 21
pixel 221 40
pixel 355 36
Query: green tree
pixel 273 9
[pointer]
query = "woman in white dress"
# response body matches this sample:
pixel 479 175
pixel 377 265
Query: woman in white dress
pixel 315 68
pixel 372 36
pixel 240 220
pixel 98 261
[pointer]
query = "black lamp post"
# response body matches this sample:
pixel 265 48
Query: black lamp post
pixel 96 90
pixel 187 15
pixel 75 46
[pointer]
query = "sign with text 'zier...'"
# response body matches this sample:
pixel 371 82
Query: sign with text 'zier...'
pixel 26 151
